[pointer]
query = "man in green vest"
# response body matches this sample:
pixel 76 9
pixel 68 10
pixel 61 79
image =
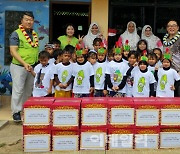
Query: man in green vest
pixel 24 50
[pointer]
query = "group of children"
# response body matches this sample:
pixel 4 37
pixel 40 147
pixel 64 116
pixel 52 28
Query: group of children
pixel 77 72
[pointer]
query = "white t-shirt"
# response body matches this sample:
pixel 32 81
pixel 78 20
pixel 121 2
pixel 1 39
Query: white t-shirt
pixel 141 84
pixel 64 73
pixel 40 89
pixel 117 71
pixel 129 82
pixel 82 75
pixel 51 60
pixel 166 79
pixel 99 75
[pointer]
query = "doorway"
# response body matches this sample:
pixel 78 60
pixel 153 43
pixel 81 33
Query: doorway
pixel 63 13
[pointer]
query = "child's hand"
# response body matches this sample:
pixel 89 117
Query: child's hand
pixel 105 92
pixel 135 64
pixel 156 68
pixel 80 38
pixel 49 91
pixel 61 85
pixel 115 88
pixel 91 89
pixel 172 87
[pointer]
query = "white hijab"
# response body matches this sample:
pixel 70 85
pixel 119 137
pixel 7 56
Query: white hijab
pixel 88 39
pixel 151 40
pixel 133 37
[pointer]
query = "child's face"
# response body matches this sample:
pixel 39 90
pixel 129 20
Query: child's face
pixel 96 46
pixel 80 59
pixel 142 46
pixel 117 57
pixel 73 57
pixel 66 57
pixel 126 53
pixel 132 60
pixel 50 50
pixel 92 60
pixel 56 46
pixel 158 54
pixel 59 58
pixel 142 67
pixel 151 61
pixel 44 61
pixel 101 56
pixel 110 57
pixel 166 63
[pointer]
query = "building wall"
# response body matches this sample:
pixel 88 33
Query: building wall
pixel 99 14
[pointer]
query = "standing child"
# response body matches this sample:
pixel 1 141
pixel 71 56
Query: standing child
pixel 99 71
pixel 166 77
pixel 116 69
pixel 92 57
pixel 141 46
pixel 97 42
pixel 143 85
pixel 132 61
pixel 158 53
pixel 152 60
pixel 63 74
pixel 57 44
pixel 126 49
pixel 43 81
pixel 57 55
pixel 83 75
pixel 49 47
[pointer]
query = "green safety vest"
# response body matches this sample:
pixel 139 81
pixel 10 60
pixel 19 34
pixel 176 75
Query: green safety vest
pixel 28 53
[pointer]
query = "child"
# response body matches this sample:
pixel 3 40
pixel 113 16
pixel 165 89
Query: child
pixel 158 53
pixel 71 49
pixel 57 55
pixel 43 81
pixel 99 71
pixel 83 75
pixel 49 47
pixel 92 57
pixel 110 56
pixel 97 43
pixel 126 49
pixel 132 61
pixel 152 60
pixel 141 46
pixel 63 76
pixel 166 77
pixel 116 69
pixel 143 85
pixel 57 44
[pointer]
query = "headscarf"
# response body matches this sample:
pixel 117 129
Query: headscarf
pixel 133 37
pixel 88 39
pixel 153 41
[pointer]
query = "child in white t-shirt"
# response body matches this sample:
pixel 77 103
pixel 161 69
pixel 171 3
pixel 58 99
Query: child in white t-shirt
pixel 83 75
pixel 116 70
pixel 166 77
pixel 126 50
pixel 63 76
pixel 99 71
pixel 43 81
pixel 143 85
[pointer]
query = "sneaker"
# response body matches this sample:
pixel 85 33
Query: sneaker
pixel 17 117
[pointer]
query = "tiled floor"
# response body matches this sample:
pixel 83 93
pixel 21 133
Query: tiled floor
pixel 5 108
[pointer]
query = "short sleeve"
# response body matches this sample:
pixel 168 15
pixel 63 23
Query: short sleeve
pixel 176 76
pixel 14 39
pixel 152 79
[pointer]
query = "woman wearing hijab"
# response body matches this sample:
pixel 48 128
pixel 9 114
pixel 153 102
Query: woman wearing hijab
pixel 93 32
pixel 131 35
pixel 152 40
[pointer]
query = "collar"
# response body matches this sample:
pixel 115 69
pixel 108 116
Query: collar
pixel 118 61
pixel 45 65
pixel 166 68
pixel 102 60
pixel 144 71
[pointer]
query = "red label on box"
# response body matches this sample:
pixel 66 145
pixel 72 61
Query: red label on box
pixel 66 114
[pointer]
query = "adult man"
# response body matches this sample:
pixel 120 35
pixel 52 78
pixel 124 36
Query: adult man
pixel 172 41
pixel 24 49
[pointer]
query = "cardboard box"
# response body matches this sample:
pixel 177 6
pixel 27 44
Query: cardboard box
pixel 37 113
pixel 36 140
pixel 65 114
pixel 147 112
pixel 170 112
pixel 120 113
pixel 93 139
pixel 94 113
pixel 147 138
pixel 120 138
pixel 65 140
pixel 170 138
